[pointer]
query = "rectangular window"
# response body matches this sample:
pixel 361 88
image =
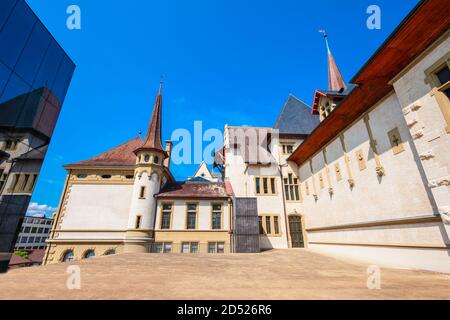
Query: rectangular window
pixel 443 76
pixel 155 247
pixel 194 247
pixel 291 188
pixel 438 76
pixel 2 178
pixel 258 185
pixel 268 228
pixel 167 247
pixel 10 145
pixel 166 215
pixel 216 247
pixel 269 225
pixel 189 247
pixel 14 182
pixel 268 186
pixel 265 186
pixel 191 216
pixel 211 247
pixel 185 247
pixel 288 148
pixel 260 224
pixel 276 227
pixel 216 216
pixel 23 186
pixel 138 222
pixel 142 193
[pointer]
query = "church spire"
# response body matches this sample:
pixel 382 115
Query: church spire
pixel 153 138
pixel 335 80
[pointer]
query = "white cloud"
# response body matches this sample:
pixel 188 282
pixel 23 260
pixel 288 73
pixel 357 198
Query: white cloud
pixel 39 210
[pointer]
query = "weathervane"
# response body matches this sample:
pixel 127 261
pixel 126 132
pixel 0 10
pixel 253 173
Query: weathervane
pixel 325 35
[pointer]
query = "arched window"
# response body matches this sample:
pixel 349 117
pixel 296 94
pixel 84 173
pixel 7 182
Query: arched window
pixel 110 252
pixel 89 254
pixel 68 256
pixel 156 159
pixel 147 158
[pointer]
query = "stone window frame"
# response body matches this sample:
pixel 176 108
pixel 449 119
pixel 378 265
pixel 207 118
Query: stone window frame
pixel 197 205
pixel 272 189
pixel 285 146
pixel 215 212
pixel 290 179
pixel 263 218
pixel 166 211
pixel 438 88
pixel 215 245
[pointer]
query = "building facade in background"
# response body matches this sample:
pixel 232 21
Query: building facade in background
pixel 35 74
pixel 363 174
pixel 34 233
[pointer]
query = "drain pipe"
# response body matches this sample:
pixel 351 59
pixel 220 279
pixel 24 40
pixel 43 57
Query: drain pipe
pixel 284 203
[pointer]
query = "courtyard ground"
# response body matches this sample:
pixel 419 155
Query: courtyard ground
pixel 276 274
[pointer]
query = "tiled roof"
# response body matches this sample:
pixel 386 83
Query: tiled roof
pixel 122 155
pixel 34 257
pixel 296 118
pixel 189 189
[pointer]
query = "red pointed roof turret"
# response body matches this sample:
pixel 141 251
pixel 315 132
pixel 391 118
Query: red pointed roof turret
pixel 152 140
pixel 335 80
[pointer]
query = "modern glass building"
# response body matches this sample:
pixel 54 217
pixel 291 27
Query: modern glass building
pixel 35 74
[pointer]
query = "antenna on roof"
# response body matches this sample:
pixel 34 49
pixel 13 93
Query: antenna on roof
pixel 325 35
pixel 161 77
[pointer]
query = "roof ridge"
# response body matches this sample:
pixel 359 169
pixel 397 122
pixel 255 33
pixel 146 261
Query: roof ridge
pixel 300 100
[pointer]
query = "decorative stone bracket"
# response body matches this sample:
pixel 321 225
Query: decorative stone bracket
pixel 445 214
pixel 351 183
pixel 444 181
pixel 427 155
pixel 380 171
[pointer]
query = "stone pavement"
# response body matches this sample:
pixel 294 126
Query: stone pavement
pixel 276 274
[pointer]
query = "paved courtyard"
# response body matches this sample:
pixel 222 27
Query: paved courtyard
pixel 277 274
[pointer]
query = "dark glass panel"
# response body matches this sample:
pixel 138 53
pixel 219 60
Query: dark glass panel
pixel 5 72
pixel 6 6
pixel 33 54
pixel 63 78
pixel 12 101
pixel 15 33
pixel 49 67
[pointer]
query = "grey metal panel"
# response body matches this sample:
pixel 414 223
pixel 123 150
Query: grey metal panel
pixel 246 230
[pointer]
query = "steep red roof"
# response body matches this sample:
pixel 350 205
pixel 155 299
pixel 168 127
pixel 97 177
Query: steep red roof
pixel 335 80
pixel 190 190
pixel 152 140
pixel 122 155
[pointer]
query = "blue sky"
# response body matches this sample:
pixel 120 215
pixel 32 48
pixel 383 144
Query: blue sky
pixel 224 62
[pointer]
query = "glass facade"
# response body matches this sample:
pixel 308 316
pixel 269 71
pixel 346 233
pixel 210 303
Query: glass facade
pixel 35 74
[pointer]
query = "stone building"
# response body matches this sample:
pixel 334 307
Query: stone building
pixel 363 174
